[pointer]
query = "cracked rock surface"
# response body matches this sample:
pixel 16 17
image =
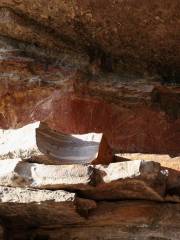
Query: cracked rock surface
pixel 101 66
pixel 60 62
pixel 57 202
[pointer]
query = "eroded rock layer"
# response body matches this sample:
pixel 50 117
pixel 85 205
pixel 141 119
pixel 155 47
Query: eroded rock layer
pixel 93 67
pixel 129 112
pixel 85 202
pixel 126 35
pixel 108 67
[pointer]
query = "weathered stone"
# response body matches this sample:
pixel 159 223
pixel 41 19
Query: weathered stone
pixel 8 176
pixel 166 161
pixel 73 148
pixel 172 198
pixel 107 233
pixel 105 154
pixel 18 173
pixel 42 207
pixel 19 143
pixel 125 220
pixel 104 33
pixel 43 159
pixel 173 184
pixel 92 66
pixel 128 180
pixel 126 124
pixel 125 180
pixel 170 164
pixel 1 233
pixel 61 65
pixel 45 95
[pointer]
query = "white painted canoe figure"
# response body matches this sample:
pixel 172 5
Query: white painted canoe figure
pixel 69 148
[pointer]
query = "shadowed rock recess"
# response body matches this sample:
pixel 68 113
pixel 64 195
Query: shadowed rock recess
pixel 110 67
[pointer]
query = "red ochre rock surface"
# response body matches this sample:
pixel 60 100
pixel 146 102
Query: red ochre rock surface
pixel 128 128
pixel 138 116
pixel 101 66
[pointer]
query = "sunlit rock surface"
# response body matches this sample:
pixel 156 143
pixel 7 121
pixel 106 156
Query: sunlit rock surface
pixel 47 200
pixel 73 148
pixel 108 67
pixel 20 143
pixel 86 67
pixel 124 180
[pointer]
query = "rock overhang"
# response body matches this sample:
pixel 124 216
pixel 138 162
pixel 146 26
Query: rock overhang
pixel 86 66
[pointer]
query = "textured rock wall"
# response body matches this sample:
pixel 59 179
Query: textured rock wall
pixel 18 143
pixel 127 35
pixel 95 106
pixel 122 200
pixel 93 67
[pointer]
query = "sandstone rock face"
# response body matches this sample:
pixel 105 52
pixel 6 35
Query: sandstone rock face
pixel 18 173
pixel 128 180
pixel 19 143
pixel 119 220
pixel 108 67
pixel 19 202
pixel 1 233
pixel 73 148
pixel 172 164
pixel 81 69
pixel 124 180
pixel 57 201
pixel 109 34
pixel 126 220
